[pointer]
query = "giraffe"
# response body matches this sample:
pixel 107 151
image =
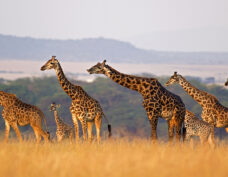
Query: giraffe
pixel 157 101
pixel 196 127
pixel 15 112
pixel 213 111
pixel 63 130
pixel 83 108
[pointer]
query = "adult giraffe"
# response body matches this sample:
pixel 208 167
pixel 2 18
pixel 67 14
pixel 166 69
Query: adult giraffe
pixel 83 108
pixel 15 112
pixel 157 101
pixel 213 111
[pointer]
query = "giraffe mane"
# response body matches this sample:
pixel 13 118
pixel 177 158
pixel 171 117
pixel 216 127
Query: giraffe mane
pixel 206 93
pixel 127 75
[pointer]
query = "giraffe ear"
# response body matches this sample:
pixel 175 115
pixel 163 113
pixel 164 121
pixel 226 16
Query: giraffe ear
pixel 58 106
pixel 53 58
pixel 103 63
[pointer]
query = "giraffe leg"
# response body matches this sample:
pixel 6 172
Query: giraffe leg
pixel 71 136
pixel 59 139
pixel 203 140
pixel 90 131
pixel 210 142
pixel 178 117
pixel 188 137
pixel 178 125
pixel 84 127
pixel 153 123
pixel 75 121
pixel 98 123
pixel 7 130
pixel 213 133
pixel 38 137
pixel 191 142
pixel 44 134
pixel 16 129
pixel 36 124
pixel 171 129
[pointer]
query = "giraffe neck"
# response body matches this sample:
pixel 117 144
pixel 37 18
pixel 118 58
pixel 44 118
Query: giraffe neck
pixel 70 89
pixel 188 116
pixel 57 119
pixel 195 93
pixel 128 81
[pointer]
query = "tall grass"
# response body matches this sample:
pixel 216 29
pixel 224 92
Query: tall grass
pixel 112 158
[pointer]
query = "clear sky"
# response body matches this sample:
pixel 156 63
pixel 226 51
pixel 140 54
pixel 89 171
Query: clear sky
pixel 176 25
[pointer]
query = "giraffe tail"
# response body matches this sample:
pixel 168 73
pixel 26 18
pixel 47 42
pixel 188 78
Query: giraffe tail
pixel 109 126
pixel 183 133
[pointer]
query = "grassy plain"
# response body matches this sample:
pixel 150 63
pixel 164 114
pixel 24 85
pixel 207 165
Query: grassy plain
pixel 112 158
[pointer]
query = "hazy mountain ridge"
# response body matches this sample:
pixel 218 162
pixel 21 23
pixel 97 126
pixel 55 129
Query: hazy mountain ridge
pixel 94 49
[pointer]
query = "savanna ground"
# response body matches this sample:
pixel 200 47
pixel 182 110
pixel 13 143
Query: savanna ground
pixel 111 158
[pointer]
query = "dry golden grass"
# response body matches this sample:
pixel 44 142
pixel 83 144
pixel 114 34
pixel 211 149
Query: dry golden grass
pixel 112 158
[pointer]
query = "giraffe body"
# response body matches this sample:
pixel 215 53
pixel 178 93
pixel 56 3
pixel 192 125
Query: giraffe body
pixel 157 101
pixel 213 112
pixel 15 112
pixel 196 127
pixel 63 130
pixel 83 108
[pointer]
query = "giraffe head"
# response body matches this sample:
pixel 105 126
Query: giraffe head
pixel 173 79
pixel 54 107
pixel 99 68
pixel 50 64
pixel 188 115
pixel 226 83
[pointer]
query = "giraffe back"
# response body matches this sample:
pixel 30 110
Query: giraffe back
pixel 196 127
pixel 22 113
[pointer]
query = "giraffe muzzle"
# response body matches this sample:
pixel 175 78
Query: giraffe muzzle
pixel 226 83
pixel 89 71
pixel 43 68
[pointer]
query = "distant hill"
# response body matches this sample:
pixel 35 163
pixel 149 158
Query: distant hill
pixel 96 49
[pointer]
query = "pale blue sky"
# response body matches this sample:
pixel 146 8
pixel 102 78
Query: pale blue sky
pixel 177 25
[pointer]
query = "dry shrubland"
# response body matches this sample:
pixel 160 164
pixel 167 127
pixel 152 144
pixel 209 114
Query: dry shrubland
pixel 112 158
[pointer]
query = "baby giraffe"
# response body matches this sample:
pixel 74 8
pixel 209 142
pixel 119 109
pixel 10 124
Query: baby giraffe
pixel 63 130
pixel 196 127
